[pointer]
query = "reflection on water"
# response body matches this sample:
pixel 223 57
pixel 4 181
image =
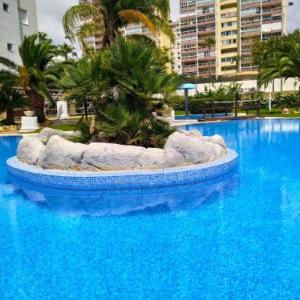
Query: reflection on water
pixel 130 202
pixel 270 126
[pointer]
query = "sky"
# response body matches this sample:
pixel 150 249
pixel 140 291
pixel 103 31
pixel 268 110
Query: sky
pixel 50 15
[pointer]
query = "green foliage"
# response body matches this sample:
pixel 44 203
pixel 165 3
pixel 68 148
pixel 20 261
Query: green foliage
pixel 83 127
pixel 10 99
pixel 66 51
pixel 126 83
pixel 85 80
pixel 290 101
pixel 278 58
pixel 115 124
pixel 203 102
pixel 139 70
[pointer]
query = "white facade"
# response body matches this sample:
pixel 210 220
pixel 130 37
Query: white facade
pixel 290 85
pixel 18 19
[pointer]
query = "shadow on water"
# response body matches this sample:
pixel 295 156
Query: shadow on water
pixel 131 202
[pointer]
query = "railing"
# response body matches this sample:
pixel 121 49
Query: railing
pixel 213 109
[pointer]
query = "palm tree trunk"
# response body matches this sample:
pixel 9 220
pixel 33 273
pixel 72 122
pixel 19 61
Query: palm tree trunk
pixel 37 104
pixel 85 105
pixel 109 33
pixel 10 116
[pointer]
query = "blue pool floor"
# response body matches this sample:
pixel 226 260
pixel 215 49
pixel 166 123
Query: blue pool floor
pixel 242 242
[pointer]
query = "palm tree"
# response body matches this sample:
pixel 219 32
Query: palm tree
pixel 10 99
pixel 283 62
pixel 112 15
pixel 119 125
pixel 237 59
pixel 85 81
pixel 139 70
pixel 210 43
pixel 66 51
pixel 31 75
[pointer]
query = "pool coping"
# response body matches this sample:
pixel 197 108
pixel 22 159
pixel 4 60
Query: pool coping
pixel 116 180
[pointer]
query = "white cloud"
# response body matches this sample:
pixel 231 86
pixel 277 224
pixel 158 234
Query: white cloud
pixel 50 15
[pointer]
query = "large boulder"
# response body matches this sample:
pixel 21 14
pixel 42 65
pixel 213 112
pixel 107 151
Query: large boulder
pixel 30 150
pixel 185 149
pixel 47 133
pixel 111 157
pixel 62 154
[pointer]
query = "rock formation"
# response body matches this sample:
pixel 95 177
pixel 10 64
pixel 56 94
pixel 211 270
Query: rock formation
pixel 181 149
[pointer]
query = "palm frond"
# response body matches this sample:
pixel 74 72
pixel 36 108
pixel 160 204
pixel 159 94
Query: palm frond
pixel 8 63
pixel 135 16
pixel 74 16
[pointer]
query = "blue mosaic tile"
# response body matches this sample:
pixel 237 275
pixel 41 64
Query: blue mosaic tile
pixel 121 180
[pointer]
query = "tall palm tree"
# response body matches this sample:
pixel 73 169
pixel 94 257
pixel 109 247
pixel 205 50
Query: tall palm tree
pixel 237 59
pixel 112 15
pixel 283 62
pixel 32 74
pixel 210 43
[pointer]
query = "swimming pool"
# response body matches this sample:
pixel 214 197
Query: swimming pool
pixel 202 116
pixel 240 242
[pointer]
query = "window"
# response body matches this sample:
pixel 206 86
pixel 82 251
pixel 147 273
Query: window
pixel 10 47
pixel 23 16
pixel 5 7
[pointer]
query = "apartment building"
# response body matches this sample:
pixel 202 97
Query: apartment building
pixel 18 18
pixel 217 36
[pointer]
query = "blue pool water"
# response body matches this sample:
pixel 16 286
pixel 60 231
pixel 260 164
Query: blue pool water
pixel 201 116
pixel 237 240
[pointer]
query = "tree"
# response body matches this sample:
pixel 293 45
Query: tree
pixel 85 80
pixel 138 69
pixel 237 59
pixel 210 43
pixel 66 51
pixel 278 58
pixel 126 83
pixel 112 15
pixel 32 74
pixel 10 99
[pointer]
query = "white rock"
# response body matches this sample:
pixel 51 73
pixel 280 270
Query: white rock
pixel 152 158
pixel 47 133
pixel 110 157
pixel 29 150
pixel 216 139
pixel 193 133
pixel 62 154
pixel 182 149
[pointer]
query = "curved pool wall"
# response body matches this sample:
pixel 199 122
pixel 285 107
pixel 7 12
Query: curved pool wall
pixel 128 202
pixel 124 180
